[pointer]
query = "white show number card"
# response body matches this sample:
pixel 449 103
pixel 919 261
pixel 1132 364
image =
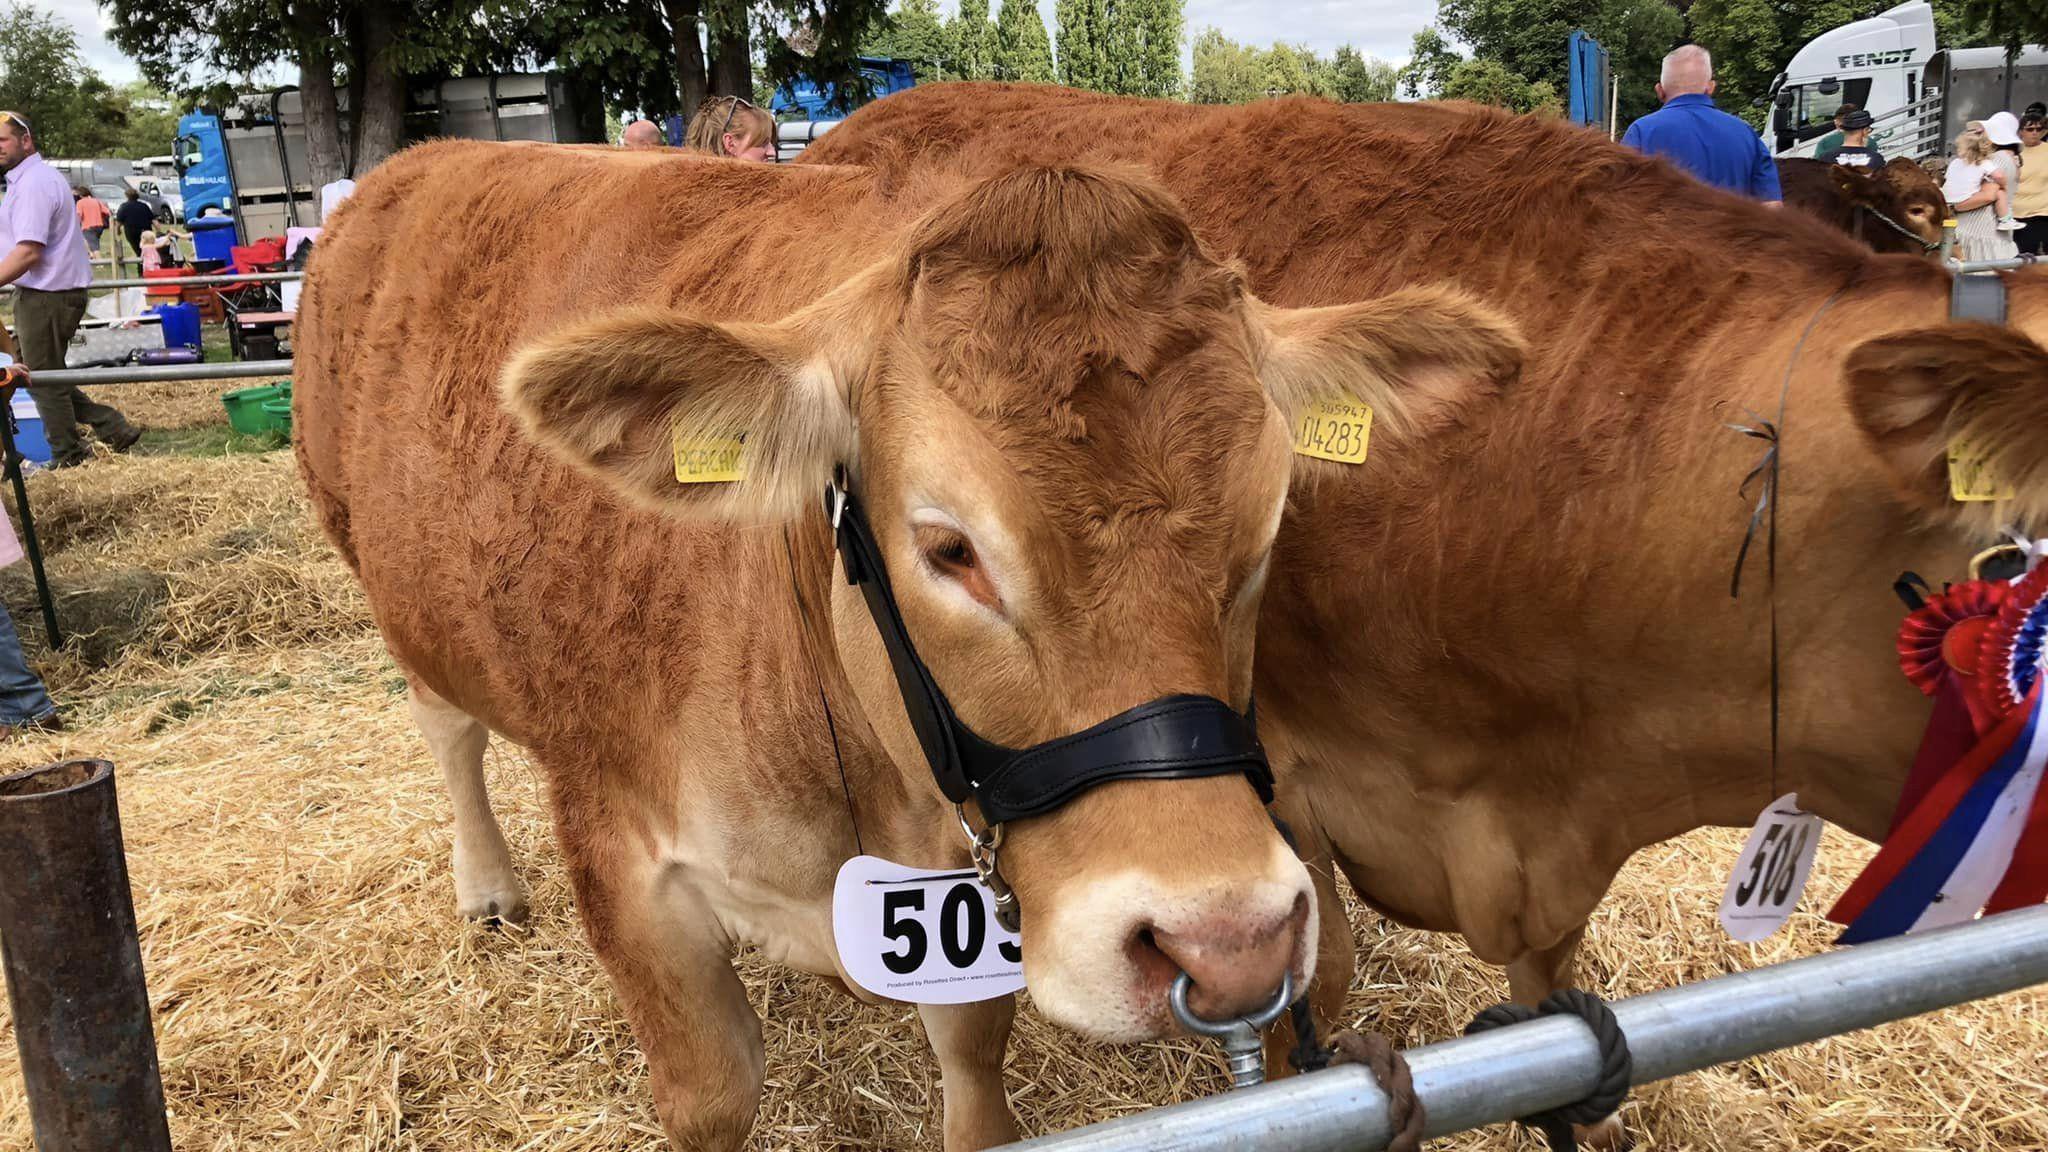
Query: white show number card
pixel 922 936
pixel 1771 871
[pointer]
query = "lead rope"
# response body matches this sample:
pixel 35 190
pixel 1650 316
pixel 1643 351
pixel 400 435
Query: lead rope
pixel 1772 433
pixel 1617 1066
pixel 1406 1116
pixel 804 615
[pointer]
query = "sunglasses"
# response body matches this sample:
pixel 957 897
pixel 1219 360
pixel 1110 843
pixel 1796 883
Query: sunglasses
pixel 15 118
pixel 731 112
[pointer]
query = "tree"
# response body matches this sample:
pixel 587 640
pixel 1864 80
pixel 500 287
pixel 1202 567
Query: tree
pixel 1636 34
pixel 915 33
pixel 1490 82
pixel 1023 52
pixel 1361 79
pixel 973 41
pixel 1430 61
pixel 1083 44
pixel 1142 47
pixel 1225 72
pixel 44 77
pixel 1288 70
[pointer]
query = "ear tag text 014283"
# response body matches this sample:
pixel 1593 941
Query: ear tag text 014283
pixel 1338 430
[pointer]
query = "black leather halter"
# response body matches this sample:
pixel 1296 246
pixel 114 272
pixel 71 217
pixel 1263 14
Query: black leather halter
pixel 1173 737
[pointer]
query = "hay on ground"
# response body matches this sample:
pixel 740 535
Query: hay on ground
pixel 313 989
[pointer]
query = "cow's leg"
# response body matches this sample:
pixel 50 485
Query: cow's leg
pixel 670 962
pixel 969 1040
pixel 1539 973
pixel 486 886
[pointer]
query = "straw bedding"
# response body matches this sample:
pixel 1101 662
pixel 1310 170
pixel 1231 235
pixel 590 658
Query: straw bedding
pixel 287 838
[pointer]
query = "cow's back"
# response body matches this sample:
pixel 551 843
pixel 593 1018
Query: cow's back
pixel 508 582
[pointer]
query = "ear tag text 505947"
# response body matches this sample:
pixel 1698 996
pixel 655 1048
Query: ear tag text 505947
pixel 1970 477
pixel 1771 871
pixel 710 460
pixel 1338 430
pixel 922 936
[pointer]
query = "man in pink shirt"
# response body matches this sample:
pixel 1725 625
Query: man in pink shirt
pixel 42 253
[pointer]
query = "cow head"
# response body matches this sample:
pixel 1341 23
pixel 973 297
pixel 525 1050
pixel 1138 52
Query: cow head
pixel 1070 429
pixel 1903 191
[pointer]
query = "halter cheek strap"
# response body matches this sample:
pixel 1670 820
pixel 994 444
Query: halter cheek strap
pixel 1173 737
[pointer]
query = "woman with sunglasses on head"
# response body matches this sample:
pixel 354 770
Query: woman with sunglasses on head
pixel 730 126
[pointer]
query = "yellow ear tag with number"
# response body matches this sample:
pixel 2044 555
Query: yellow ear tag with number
pixel 1970 477
pixel 1336 430
pixel 717 460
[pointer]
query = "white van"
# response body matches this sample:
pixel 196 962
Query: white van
pixel 1919 94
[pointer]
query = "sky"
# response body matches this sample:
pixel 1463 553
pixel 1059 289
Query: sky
pixel 1380 28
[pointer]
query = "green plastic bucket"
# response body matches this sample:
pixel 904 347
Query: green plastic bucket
pixel 279 413
pixel 249 409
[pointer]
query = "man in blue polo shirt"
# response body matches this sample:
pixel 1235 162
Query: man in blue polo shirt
pixel 1700 138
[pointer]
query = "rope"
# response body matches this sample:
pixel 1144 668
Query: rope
pixel 1405 1115
pixel 1616 1065
pixel 1895 226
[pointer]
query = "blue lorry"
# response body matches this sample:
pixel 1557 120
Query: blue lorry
pixel 202 165
pixel 806 98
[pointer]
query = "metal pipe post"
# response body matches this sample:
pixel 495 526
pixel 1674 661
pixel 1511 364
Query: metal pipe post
pixel 74 968
pixel 174 281
pixel 162 373
pixel 1509 1072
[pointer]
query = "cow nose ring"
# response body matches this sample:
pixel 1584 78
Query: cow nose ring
pixel 1239 1035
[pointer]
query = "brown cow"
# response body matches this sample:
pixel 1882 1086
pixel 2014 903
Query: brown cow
pixel 1069 426
pixel 1498 662
pixel 1896 208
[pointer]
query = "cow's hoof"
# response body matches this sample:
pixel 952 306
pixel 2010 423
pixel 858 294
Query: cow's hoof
pixel 503 906
pixel 1606 1136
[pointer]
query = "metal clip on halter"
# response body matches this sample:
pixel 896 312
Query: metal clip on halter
pixel 1240 1035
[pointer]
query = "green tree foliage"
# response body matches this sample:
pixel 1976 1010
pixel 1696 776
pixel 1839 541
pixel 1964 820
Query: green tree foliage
pixel 1361 79
pixel 1491 82
pixel 974 41
pixel 1430 60
pixel 1144 47
pixel 915 33
pixel 75 113
pixel 1636 35
pixel 1084 44
pixel 1226 72
pixel 1023 52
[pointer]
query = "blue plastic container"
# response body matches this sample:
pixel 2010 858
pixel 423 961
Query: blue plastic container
pixel 213 238
pixel 181 324
pixel 28 436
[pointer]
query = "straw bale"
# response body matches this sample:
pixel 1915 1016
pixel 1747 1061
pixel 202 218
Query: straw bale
pixel 313 989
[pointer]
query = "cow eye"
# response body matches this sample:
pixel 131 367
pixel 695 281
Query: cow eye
pixel 951 556
pixel 946 551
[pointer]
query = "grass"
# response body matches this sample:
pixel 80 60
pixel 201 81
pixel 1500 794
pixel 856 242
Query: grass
pixel 219 440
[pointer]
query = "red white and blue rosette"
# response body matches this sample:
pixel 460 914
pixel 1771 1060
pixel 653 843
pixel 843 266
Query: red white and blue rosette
pixel 1977 835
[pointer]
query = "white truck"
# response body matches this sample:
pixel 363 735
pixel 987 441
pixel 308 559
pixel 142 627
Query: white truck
pixel 1919 94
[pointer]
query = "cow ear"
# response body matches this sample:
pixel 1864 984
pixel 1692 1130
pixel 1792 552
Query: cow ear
pixel 1421 358
pixel 1846 178
pixel 697 418
pixel 1913 394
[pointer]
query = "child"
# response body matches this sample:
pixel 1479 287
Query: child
pixel 1971 169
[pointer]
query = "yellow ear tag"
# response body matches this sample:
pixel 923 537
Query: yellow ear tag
pixel 1970 477
pixel 710 461
pixel 1336 430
